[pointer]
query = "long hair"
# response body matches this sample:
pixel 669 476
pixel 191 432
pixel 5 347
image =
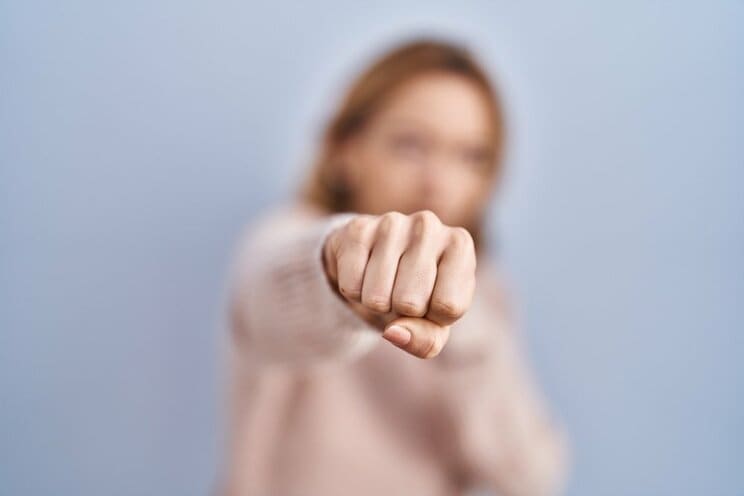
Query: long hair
pixel 324 187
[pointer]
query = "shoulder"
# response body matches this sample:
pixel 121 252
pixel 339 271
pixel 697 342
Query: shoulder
pixel 278 222
pixel 285 216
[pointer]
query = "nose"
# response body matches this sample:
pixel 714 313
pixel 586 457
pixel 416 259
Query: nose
pixel 432 182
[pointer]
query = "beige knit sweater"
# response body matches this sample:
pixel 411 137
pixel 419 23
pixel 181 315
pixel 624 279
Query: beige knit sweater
pixel 322 405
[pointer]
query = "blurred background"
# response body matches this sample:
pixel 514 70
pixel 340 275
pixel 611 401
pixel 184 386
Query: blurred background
pixel 138 137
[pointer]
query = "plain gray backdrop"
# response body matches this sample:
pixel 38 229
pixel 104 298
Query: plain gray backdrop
pixel 138 137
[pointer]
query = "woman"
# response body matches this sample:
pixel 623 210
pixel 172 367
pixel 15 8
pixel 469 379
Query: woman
pixel 366 359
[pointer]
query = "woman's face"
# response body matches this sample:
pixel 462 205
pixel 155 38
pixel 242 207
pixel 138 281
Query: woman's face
pixel 426 148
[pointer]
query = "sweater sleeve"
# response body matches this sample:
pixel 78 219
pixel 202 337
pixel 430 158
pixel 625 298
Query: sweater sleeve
pixel 282 306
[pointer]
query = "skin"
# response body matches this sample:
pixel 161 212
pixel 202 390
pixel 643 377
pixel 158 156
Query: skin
pixel 419 171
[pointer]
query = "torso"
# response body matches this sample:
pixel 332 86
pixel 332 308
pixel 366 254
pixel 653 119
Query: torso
pixel 380 424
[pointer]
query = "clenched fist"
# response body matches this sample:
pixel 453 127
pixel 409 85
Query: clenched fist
pixel 410 275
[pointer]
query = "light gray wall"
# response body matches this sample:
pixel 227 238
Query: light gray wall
pixel 137 137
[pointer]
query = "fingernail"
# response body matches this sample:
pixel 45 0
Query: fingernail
pixel 398 335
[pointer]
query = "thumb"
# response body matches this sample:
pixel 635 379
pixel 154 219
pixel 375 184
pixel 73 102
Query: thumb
pixel 418 336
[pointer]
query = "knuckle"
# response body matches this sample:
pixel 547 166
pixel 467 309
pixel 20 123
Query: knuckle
pixel 461 237
pixel 409 307
pixel 427 217
pixel 427 214
pixel 376 303
pixel 389 222
pixel 356 227
pixel 349 291
pixel 393 216
pixel 424 223
pixel 447 308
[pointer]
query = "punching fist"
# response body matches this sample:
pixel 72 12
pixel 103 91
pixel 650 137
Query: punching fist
pixel 409 275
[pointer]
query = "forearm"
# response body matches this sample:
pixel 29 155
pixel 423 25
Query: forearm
pixel 283 309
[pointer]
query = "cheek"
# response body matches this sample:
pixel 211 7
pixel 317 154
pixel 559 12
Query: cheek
pixel 462 194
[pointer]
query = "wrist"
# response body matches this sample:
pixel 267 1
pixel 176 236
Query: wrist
pixel 326 253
